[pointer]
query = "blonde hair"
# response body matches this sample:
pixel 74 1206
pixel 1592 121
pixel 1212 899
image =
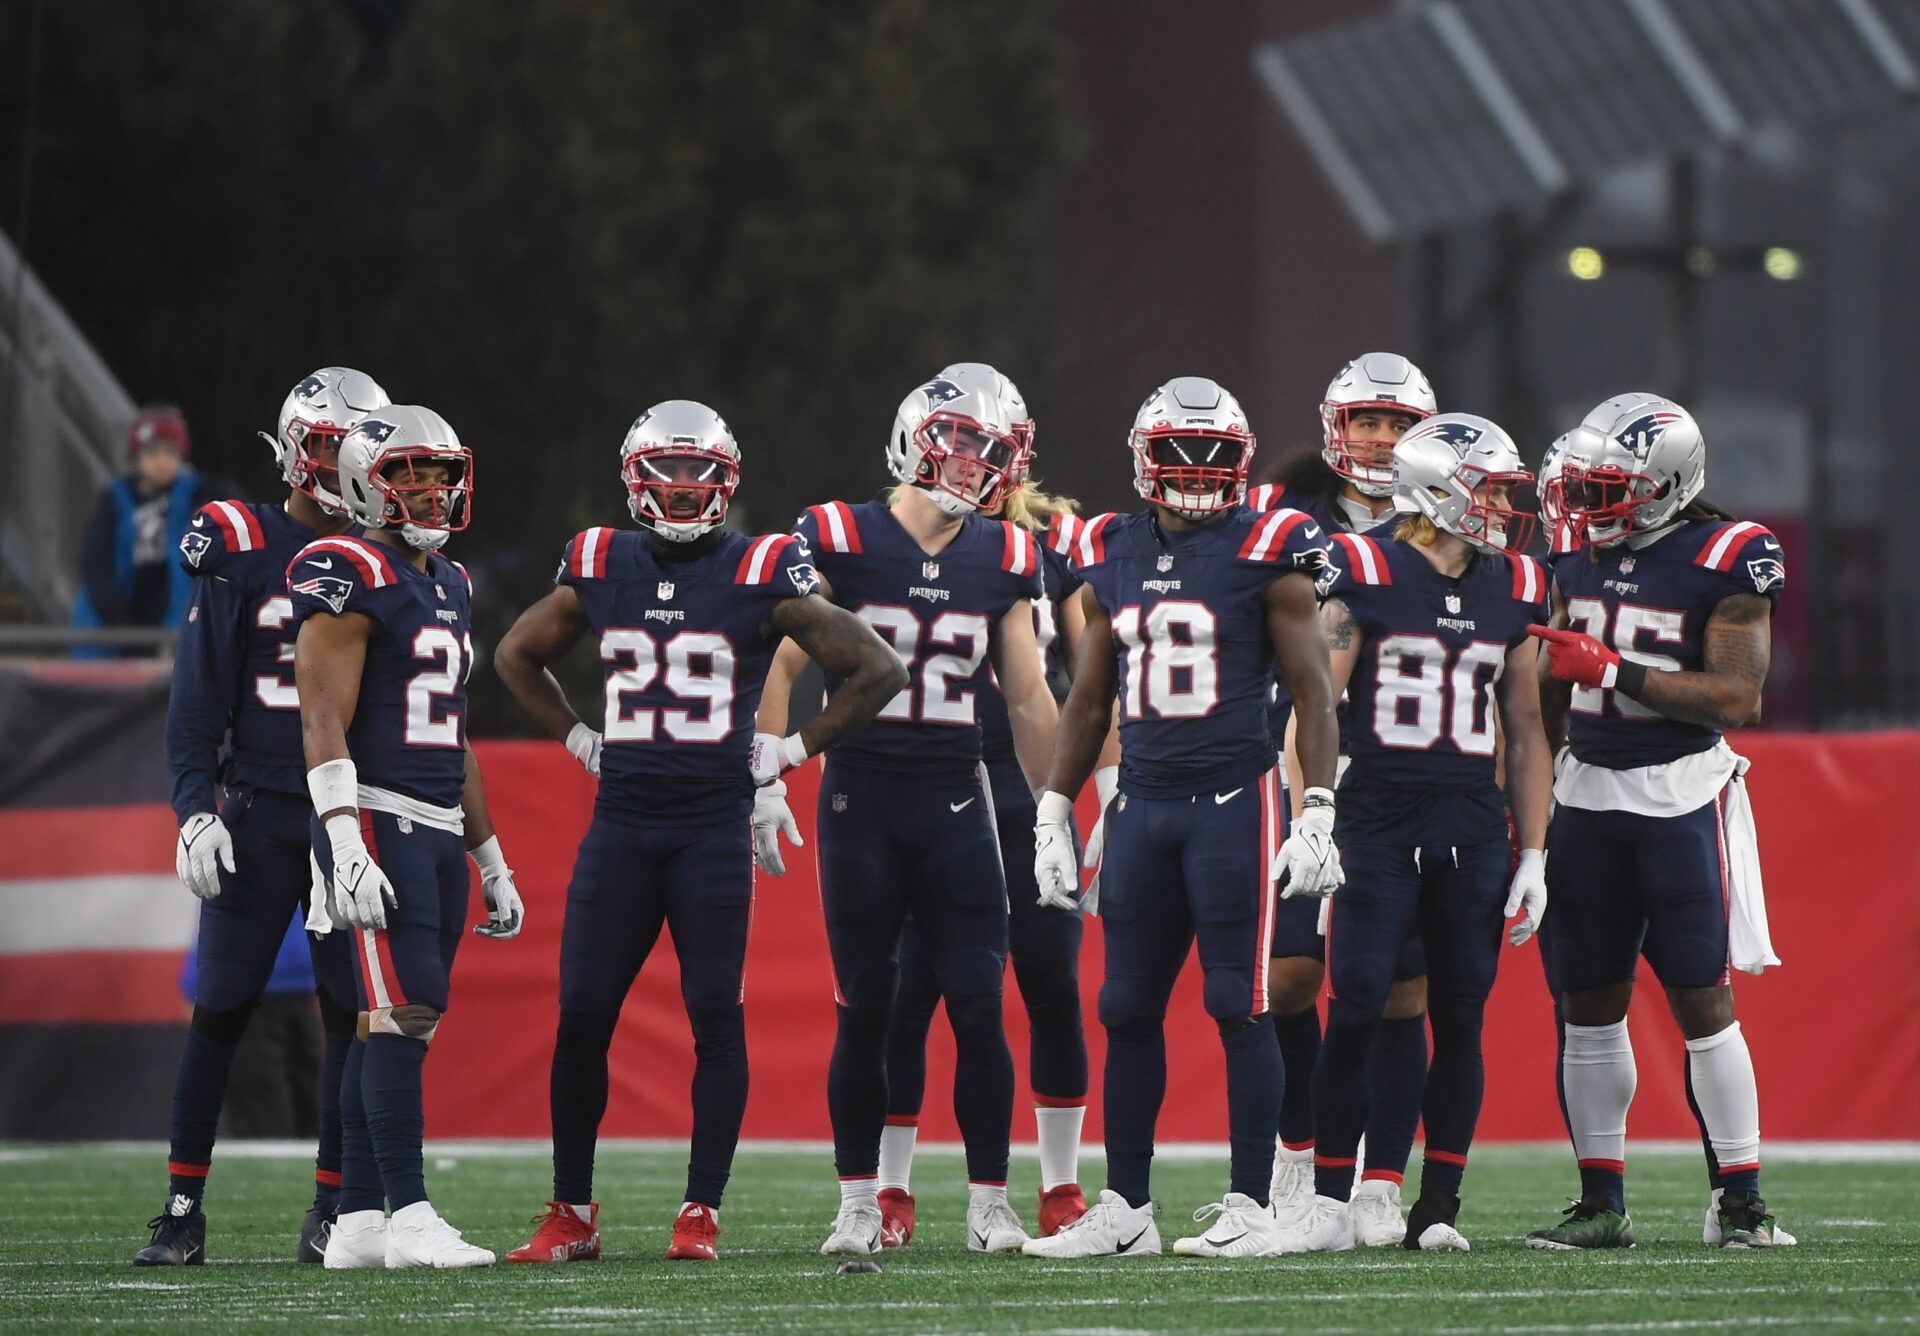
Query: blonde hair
pixel 1031 508
pixel 1416 529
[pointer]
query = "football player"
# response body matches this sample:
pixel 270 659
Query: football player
pixel 1188 604
pixel 687 616
pixel 1348 488
pixel 381 658
pixel 246 859
pixel 1428 633
pixel 906 824
pixel 1660 641
pixel 1043 940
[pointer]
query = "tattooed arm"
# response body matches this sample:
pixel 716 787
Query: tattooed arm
pixel 1726 693
pixel 870 673
pixel 1301 645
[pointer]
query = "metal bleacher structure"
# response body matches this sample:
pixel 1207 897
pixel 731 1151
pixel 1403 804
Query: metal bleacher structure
pixel 62 416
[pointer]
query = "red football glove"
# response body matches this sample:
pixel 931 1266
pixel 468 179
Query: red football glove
pixel 1574 656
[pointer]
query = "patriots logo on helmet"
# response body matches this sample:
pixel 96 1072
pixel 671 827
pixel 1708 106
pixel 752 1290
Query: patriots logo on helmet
pixel 376 431
pixel 805 578
pixel 1458 435
pixel 940 391
pixel 193 546
pixel 1767 573
pixel 1640 434
pixel 329 589
pixel 309 387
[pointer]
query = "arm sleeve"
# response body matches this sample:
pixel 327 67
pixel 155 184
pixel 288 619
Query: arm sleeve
pixel 206 678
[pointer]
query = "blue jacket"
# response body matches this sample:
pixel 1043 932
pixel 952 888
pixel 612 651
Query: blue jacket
pixel 107 559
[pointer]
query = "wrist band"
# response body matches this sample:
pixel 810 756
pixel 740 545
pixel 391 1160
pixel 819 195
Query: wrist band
pixel 793 751
pixel 1631 678
pixel 333 785
pixel 487 857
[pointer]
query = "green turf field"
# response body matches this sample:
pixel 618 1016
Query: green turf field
pixel 70 1219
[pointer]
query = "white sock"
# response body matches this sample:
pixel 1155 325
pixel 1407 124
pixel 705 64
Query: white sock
pixel 1729 1099
pixel 1059 1144
pixel 1599 1076
pixel 713 1212
pixel 985 1192
pixel 861 1190
pixel 584 1212
pixel 896 1155
pixel 352 1222
pixel 417 1214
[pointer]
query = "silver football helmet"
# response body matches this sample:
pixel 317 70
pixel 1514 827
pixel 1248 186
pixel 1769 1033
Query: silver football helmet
pixel 681 465
pixel 1460 471
pixel 1192 448
pixel 974 375
pixel 1633 466
pixel 381 461
pixel 957 444
pixel 1377 382
pixel 318 412
pixel 1548 484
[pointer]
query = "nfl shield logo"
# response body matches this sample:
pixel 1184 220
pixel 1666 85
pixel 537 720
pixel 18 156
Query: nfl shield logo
pixel 839 802
pixel 1164 564
pixel 930 570
pixel 1453 603
pixel 441 592
pixel 666 589
pixel 1626 565
pixel 405 825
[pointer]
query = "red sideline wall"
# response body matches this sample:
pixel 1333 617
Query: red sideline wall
pixel 1835 1032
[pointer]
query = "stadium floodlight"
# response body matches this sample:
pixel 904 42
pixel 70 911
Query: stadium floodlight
pixel 1586 263
pixel 1781 262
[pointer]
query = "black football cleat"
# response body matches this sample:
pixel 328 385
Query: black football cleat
pixel 179 1236
pixel 313 1236
pixel 1431 1225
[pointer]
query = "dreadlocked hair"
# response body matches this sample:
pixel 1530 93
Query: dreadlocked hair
pixel 1702 509
pixel 1031 508
pixel 1305 472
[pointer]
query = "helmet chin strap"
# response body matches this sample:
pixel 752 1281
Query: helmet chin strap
pixel 1376 490
pixel 423 539
pixel 947 502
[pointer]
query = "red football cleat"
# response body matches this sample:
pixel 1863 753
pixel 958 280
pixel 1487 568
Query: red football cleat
pixel 564 1236
pixel 694 1231
pixel 896 1217
pixel 1060 1207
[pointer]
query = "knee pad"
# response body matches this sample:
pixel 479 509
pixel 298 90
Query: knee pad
pixel 709 988
pixel 1126 1008
pixel 863 1027
pixel 1347 1016
pixel 334 1018
pixel 974 1016
pixel 1227 994
pixel 975 972
pixel 409 1021
pixel 1456 1024
pixel 725 1027
pixel 224 1027
pixel 1233 1025
pixel 591 1031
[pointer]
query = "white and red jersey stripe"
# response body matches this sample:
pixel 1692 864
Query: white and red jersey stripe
pixel 1091 549
pixel 1365 560
pixel 838 532
pixel 1725 545
pixel 1063 532
pixel 1266 496
pixel 1563 538
pixel 1020 555
pixel 1268 537
pixel 373 565
pixel 1529 578
pixel 762 557
pixel 588 560
pixel 237 524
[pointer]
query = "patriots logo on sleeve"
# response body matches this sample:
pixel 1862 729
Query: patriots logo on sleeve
pixel 1318 562
pixel 193 546
pixel 805 578
pixel 1767 573
pixel 329 589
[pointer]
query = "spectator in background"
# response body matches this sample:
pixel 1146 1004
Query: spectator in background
pixel 129 574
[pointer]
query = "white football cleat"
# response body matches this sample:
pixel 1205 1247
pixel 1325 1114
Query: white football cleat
pixel 856 1230
pixel 1242 1228
pixel 1325 1226
pixel 418 1237
pixel 1110 1228
pixel 1292 1182
pixel 1442 1237
pixel 357 1242
pixel 992 1227
pixel 1712 1235
pixel 1375 1210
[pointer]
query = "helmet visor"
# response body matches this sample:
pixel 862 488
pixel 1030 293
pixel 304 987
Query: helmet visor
pixel 681 486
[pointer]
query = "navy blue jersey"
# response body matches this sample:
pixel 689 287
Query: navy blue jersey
pixel 685 649
pixel 938 612
pixel 1192 654
pixel 409 729
pixel 234 670
pixel 1422 697
pixel 1651 604
pixel 1061 583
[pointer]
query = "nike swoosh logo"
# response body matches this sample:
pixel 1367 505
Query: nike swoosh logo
pixel 960 807
pixel 1221 799
pixel 320 563
pixel 978 1237
pixel 1128 1245
pixel 1221 1243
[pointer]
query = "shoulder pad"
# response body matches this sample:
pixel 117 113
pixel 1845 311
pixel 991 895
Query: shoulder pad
pixel 1019 553
pixel 586 557
pixel 1266 496
pixel 838 532
pixel 331 570
pixel 1749 554
pixel 1090 549
pixel 1366 562
pixel 1529 578
pixel 1267 539
pixel 219 529
pixel 761 560
pixel 1725 541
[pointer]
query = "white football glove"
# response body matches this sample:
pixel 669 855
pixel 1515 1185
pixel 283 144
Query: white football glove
pixel 1106 783
pixel 1528 896
pixel 1055 869
pixel 204 848
pixel 361 891
pixel 505 913
pixel 584 743
pixel 771 756
pixel 771 819
pixel 1308 862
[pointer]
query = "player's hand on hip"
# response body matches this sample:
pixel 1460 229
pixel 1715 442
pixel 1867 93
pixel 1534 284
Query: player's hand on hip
pixel 1575 656
pixel 361 891
pixel 771 756
pixel 505 913
pixel 1055 868
pixel 772 818
pixel 1106 783
pixel 584 743
pixel 1309 864
pixel 205 847
pixel 1527 896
